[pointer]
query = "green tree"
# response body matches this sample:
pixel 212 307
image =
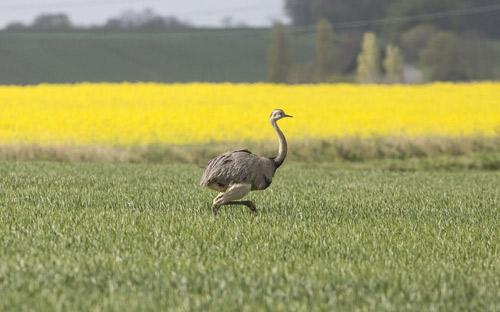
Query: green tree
pixel 307 12
pixel 477 57
pixel 278 55
pixel 324 48
pixel 301 11
pixel 440 56
pixel 393 65
pixel 415 40
pixel 369 60
pixel 403 8
pixel 52 21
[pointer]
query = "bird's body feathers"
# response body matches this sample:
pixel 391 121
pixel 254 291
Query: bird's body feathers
pixel 238 167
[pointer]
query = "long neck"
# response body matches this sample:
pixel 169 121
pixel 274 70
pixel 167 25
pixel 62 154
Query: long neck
pixel 278 160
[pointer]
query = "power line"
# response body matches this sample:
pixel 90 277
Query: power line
pixel 421 17
pixel 343 25
pixel 226 11
pixel 405 19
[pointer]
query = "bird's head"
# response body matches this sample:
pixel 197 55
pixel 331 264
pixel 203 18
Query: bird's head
pixel 277 114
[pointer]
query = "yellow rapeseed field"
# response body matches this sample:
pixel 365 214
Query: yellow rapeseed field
pixel 147 113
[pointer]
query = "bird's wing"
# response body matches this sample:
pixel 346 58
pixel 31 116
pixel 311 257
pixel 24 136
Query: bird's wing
pixel 229 168
pixel 224 156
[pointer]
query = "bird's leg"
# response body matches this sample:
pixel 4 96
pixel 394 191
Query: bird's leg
pixel 247 203
pixel 235 191
pixel 215 205
pixel 215 208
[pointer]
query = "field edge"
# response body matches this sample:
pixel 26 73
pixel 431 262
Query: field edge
pixel 396 153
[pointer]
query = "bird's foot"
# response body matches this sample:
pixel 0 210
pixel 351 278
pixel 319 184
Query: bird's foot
pixel 215 208
pixel 252 206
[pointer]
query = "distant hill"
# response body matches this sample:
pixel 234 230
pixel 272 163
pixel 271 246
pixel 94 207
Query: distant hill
pixel 234 55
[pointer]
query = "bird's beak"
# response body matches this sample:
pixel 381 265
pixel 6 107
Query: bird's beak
pixel 287 115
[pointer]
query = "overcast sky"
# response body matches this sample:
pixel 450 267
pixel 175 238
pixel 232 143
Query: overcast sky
pixel 198 12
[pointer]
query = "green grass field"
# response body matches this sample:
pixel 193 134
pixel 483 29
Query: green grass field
pixel 177 56
pixel 127 237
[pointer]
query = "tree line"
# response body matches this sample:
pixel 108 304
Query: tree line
pixel 368 60
pixel 378 38
pixel 146 19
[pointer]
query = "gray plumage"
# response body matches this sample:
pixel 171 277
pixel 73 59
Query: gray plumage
pixel 235 173
pixel 238 167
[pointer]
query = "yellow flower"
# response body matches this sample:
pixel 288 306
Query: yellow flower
pixel 147 113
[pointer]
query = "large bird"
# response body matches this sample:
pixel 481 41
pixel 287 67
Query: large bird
pixel 234 174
